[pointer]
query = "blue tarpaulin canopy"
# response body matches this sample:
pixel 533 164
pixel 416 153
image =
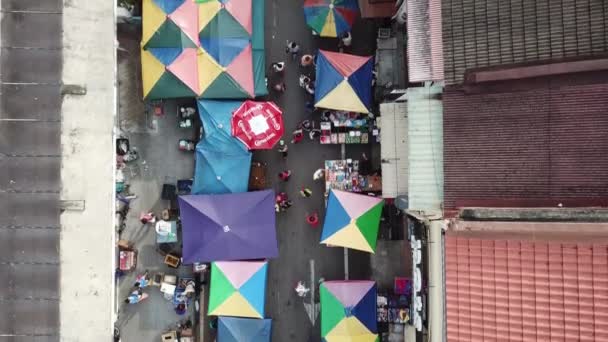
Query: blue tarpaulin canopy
pixel 231 329
pixel 222 161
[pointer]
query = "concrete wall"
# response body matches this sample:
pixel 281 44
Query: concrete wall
pixel 87 171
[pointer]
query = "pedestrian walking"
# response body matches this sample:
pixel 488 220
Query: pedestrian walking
pixel 307 60
pixel 282 148
pixel 319 174
pixel 306 125
pixel 285 205
pixel 298 135
pixel 292 48
pixel 280 87
pixel 278 67
pixel 281 196
pixel 345 41
pixel 304 80
pixel 314 134
pixel 305 192
pixel 310 107
pixel 313 219
pixel 284 175
pixel 148 217
pixel 310 88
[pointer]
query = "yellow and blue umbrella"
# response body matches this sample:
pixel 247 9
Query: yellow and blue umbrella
pixel 237 288
pixel 344 82
pixel 331 18
pixel 352 221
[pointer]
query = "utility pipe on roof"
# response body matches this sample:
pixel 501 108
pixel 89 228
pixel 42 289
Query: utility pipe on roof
pixel 436 301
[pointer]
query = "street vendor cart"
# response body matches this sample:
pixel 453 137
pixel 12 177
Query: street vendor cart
pixel 127 256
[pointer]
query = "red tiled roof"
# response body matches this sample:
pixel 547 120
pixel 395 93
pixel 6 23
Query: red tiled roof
pixel 525 290
pixel 528 143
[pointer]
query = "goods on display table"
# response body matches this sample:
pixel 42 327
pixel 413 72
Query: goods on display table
pixel 393 308
pixel 344 175
pixel 348 128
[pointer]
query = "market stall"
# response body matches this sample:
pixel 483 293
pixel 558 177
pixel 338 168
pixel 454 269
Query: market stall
pixel 210 49
pixel 222 161
pixel 348 310
pixel 348 128
pixel 345 175
pixel 343 82
pixel 352 221
pixel 244 329
pixel 238 288
pixel 258 125
pixel 213 230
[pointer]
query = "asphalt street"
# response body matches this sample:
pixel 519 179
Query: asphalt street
pixel 298 242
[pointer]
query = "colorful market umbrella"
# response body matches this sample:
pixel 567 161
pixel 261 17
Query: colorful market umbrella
pixel 348 311
pixel 228 226
pixel 203 48
pixel 331 18
pixel 169 24
pixel 220 169
pixel 222 162
pixel 231 36
pixel 344 82
pixel 232 329
pixel 170 73
pixel 259 125
pixel 352 221
pixel 237 288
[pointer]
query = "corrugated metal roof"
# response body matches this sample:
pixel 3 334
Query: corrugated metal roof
pixel 393 149
pixel 479 33
pixel 30 170
pixel 526 146
pixel 424 40
pixel 425 133
pixel 525 289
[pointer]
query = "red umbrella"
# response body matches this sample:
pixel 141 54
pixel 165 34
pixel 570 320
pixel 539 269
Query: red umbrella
pixel 259 125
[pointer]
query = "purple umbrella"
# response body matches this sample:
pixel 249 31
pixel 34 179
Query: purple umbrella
pixel 237 226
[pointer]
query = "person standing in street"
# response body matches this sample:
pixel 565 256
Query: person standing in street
pixel 285 205
pixel 305 192
pixel 278 67
pixel 280 87
pixel 307 60
pixel 292 48
pixel 298 135
pixel 345 41
pixel 283 148
pixel 284 175
pixel 313 219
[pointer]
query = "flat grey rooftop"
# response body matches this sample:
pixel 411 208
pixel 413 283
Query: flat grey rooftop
pixel 30 151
